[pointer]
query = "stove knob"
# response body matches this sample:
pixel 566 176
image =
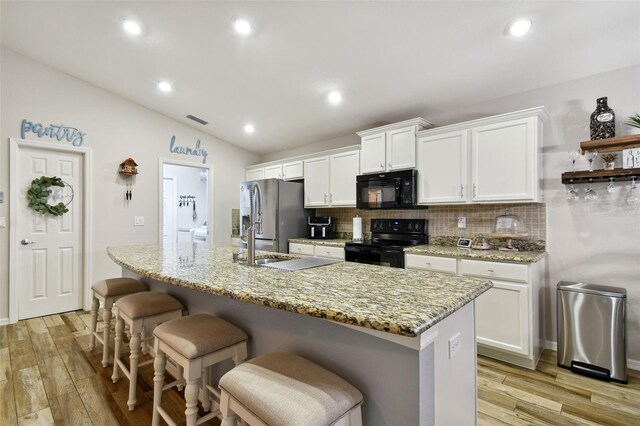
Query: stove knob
pixel 410 226
pixel 418 226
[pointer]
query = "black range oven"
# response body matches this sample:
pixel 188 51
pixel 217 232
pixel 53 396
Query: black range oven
pixel 389 237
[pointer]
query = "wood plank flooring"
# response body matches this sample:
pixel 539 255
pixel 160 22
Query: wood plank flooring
pixel 48 376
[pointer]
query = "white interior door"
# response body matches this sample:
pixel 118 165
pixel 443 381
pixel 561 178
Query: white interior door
pixel 169 217
pixel 49 253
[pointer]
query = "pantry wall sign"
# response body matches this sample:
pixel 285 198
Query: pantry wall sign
pixel 185 150
pixel 59 132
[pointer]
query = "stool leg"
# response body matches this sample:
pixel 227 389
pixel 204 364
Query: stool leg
pixel 133 369
pixel 159 365
pixel 228 416
pixel 95 305
pixel 191 397
pixel 118 348
pixel 145 347
pixel 206 397
pixel 106 318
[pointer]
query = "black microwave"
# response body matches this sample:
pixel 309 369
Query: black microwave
pixel 394 190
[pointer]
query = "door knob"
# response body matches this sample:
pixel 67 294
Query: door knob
pixel 26 242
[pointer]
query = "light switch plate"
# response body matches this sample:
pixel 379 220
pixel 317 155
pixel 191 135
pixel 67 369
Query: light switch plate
pixel 138 221
pixel 3 222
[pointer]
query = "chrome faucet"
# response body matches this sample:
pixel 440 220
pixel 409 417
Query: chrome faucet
pixel 255 221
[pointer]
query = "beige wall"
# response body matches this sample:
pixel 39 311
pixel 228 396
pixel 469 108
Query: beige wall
pixel 116 129
pixel 598 242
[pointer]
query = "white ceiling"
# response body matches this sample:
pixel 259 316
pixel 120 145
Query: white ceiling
pixel 392 60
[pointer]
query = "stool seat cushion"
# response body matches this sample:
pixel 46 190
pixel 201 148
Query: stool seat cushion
pixel 200 334
pixel 285 389
pixel 146 304
pixel 118 286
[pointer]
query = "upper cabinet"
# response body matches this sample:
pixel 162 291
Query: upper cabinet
pixel 330 181
pixel 293 170
pixel 390 148
pixel 492 160
pixel 273 172
pixel 255 174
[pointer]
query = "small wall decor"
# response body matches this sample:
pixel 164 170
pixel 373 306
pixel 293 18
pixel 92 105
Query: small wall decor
pixel 197 151
pixel 128 167
pixel 603 121
pixel 40 190
pixel 53 131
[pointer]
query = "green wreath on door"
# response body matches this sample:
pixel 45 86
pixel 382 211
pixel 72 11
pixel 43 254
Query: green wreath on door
pixel 39 192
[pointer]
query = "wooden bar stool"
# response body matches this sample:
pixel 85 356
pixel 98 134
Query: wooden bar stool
pixel 139 311
pixel 108 291
pixel 195 343
pixel 287 390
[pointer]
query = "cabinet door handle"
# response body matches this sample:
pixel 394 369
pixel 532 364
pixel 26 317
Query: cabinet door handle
pixel 490 270
pixel 382 166
pixel 475 190
pixel 330 198
pixel 390 166
pixel 427 263
pixel 461 191
pixel 325 198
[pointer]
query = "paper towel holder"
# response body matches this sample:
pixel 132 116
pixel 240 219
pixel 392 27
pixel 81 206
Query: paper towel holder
pixel 357 229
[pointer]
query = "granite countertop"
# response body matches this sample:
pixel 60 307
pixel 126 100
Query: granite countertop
pixel 491 255
pixel 335 242
pixel 399 301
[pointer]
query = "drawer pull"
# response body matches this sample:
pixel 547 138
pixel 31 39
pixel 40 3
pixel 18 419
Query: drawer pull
pixel 427 263
pixel 490 270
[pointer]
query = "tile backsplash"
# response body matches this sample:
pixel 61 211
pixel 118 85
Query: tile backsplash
pixel 443 220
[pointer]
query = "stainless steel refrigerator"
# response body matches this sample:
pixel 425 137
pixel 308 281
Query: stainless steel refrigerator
pixel 282 213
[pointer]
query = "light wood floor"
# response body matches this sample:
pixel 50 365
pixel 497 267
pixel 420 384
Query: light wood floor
pixel 48 376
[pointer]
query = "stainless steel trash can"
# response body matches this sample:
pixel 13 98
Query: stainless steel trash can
pixel 591 330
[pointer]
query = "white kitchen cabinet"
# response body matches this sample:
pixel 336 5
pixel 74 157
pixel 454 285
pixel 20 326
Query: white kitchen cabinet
pixel 374 153
pixel 273 172
pixel 316 182
pixel 255 174
pixel 502 317
pixel 442 168
pixel 390 148
pixel 330 181
pixel 319 250
pixel 504 161
pixel 508 315
pixel 343 170
pixel 293 170
pixel 491 160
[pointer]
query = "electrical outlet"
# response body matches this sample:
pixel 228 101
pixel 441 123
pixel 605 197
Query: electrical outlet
pixel 462 222
pixel 454 345
pixel 138 221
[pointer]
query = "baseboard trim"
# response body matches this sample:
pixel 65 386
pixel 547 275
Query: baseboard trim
pixel 632 364
pixel 4 321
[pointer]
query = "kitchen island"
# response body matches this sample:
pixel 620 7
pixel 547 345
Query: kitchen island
pixel 385 330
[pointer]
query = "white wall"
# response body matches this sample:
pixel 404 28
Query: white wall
pixel 116 129
pixel 598 243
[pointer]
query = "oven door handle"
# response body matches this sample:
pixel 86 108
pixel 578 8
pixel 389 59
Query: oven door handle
pixel 369 251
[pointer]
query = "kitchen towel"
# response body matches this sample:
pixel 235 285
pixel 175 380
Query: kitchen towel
pixel 357 228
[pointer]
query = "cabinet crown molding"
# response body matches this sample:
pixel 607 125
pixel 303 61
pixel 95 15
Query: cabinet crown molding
pixel 539 112
pixel 418 121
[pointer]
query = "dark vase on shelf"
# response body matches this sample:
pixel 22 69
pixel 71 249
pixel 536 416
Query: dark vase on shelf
pixel 603 121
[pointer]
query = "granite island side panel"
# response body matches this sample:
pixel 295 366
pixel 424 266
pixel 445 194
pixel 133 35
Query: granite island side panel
pixel 398 301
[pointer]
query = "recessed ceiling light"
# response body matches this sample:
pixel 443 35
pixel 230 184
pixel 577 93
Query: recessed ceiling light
pixel 334 97
pixel 132 27
pixel 248 128
pixel 165 86
pixel 520 27
pixel 242 26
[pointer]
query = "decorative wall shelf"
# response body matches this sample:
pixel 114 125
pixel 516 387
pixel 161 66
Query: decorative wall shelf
pixel 585 176
pixel 611 144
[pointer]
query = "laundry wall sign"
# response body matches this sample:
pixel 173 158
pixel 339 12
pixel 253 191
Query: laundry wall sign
pixel 59 132
pixel 195 151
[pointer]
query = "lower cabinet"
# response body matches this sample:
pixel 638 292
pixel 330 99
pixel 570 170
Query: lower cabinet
pixel 320 250
pixel 508 315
